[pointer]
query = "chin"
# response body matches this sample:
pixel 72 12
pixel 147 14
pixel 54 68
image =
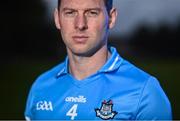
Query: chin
pixel 84 53
pixel 80 53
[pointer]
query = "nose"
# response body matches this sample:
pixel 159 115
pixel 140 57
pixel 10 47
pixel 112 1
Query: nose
pixel 81 22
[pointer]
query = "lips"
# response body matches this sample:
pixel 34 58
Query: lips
pixel 80 38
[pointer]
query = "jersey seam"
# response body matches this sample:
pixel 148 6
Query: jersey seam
pixel 141 95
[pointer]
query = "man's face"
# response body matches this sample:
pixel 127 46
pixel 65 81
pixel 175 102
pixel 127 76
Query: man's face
pixel 84 25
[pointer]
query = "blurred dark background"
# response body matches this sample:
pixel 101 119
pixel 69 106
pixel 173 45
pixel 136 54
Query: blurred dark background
pixel 30 45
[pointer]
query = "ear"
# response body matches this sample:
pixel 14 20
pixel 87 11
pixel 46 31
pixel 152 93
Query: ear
pixel 56 19
pixel 112 17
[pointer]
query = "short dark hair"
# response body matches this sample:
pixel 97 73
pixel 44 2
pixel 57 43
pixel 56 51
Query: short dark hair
pixel 108 4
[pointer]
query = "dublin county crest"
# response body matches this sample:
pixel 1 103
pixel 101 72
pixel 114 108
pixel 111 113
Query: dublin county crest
pixel 106 111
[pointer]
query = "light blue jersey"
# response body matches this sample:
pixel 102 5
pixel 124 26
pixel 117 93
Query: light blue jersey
pixel 118 91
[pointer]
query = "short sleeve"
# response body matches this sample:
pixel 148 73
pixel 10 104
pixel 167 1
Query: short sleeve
pixel 153 104
pixel 29 107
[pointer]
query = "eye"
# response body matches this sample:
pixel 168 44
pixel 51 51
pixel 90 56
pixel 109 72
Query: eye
pixel 69 13
pixel 92 13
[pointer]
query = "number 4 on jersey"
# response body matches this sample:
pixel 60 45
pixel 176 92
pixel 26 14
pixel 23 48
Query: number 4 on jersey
pixel 72 112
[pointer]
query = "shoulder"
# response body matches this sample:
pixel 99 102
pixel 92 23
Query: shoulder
pixel 47 77
pixel 133 73
pixel 43 81
pixel 152 102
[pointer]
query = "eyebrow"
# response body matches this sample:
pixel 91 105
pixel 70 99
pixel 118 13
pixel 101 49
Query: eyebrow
pixel 64 9
pixel 87 9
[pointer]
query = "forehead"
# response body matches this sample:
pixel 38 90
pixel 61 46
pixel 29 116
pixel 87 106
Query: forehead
pixel 82 4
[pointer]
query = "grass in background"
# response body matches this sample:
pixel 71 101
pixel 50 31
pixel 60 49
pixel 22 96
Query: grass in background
pixel 167 72
pixel 17 77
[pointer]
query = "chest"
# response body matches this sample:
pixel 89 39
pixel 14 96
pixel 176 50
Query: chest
pixel 95 102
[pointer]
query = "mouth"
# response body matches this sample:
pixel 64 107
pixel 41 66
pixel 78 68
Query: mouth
pixel 80 38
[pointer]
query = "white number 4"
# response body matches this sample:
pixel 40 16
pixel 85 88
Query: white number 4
pixel 72 112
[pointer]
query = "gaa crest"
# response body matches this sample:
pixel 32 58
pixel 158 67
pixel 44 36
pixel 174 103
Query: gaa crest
pixel 106 111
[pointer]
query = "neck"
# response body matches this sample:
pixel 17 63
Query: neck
pixel 82 67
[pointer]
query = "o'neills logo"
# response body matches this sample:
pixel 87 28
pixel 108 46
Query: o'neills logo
pixel 79 99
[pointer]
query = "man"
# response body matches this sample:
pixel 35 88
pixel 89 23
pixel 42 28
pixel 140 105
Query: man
pixel 93 82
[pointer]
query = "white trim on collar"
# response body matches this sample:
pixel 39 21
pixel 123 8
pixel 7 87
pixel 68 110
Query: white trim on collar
pixel 114 63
